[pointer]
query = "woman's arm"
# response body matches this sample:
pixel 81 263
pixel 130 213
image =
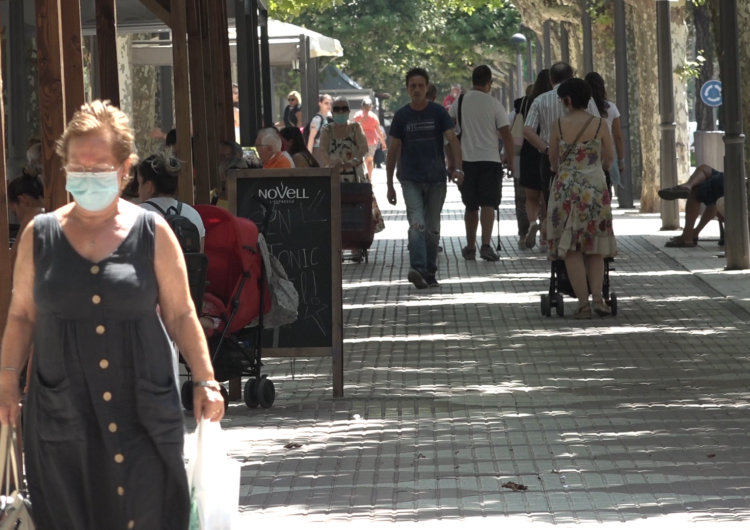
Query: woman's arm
pixel 619 142
pixel 19 330
pixel 298 117
pixel 299 160
pixel 554 146
pixel 325 144
pixel 608 151
pixel 181 320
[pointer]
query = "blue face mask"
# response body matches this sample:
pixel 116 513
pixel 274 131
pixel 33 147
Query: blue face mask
pixel 93 193
pixel 341 119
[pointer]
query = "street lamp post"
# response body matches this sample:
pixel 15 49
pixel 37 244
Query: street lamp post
pixel 735 191
pixel 518 39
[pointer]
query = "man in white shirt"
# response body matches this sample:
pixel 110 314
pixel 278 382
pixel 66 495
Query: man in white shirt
pixel 481 118
pixel 543 113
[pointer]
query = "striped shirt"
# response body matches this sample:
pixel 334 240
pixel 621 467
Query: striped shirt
pixel 546 109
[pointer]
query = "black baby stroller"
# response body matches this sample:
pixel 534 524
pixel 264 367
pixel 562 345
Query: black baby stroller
pixel 559 285
pixel 236 290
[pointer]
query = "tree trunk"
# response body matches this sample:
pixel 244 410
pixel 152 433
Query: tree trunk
pixel 644 24
pixel 604 51
pixel 682 116
pixel 575 45
pixel 704 46
pixel 125 73
pixel 634 98
pixel 743 20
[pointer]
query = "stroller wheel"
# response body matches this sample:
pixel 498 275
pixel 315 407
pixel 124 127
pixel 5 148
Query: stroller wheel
pixel 266 393
pixel 225 394
pixel 546 306
pixel 186 395
pixel 250 394
pixel 613 303
pixel 559 305
pixel 367 255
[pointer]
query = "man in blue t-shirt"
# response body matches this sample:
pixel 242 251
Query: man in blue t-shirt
pixel 417 133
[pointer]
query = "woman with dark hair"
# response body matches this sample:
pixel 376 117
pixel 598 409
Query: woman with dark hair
pixel 157 178
pixel 609 112
pixel 579 218
pixel 531 176
pixel 297 148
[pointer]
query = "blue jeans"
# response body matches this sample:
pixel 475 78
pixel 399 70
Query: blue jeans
pixel 424 204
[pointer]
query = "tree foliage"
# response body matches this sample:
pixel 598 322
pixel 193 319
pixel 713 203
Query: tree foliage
pixel 383 39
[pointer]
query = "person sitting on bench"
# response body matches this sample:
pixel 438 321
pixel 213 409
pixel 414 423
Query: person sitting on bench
pixel 705 186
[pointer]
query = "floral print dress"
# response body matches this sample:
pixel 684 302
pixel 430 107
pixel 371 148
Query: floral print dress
pixel 344 150
pixel 579 215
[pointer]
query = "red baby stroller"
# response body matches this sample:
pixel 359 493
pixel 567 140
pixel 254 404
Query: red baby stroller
pixel 234 290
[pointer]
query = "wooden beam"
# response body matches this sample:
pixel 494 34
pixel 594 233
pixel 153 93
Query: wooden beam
pixel 160 8
pixel 210 56
pixel 5 271
pixel 198 103
pixel 70 19
pixel 180 73
pixel 222 71
pixel 106 40
pixel 51 99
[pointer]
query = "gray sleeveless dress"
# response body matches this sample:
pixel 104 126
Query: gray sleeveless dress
pixel 103 424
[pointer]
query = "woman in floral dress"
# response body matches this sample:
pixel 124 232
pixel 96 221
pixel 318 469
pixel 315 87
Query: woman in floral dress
pixel 579 215
pixel 343 145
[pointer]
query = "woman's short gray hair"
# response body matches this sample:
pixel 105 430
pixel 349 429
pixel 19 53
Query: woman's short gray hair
pixel 270 136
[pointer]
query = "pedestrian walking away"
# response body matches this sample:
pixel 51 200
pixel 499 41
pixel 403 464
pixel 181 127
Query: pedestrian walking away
pixel 579 221
pixel 543 112
pixel 530 176
pixel 608 110
pixel 417 133
pixel 481 118
pixel 103 432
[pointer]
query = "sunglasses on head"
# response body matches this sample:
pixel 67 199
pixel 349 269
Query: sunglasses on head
pixel 340 109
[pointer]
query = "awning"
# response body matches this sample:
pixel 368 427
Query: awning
pixel 283 41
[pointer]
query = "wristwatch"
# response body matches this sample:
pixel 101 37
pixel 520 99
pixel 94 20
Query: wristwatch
pixel 459 171
pixel 546 151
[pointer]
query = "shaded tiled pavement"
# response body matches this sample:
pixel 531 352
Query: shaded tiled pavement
pixel 452 392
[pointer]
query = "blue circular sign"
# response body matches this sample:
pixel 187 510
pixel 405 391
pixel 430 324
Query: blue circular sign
pixel 711 93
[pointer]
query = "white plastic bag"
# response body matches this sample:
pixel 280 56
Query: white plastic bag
pixel 214 479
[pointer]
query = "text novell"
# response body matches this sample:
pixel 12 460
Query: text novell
pixel 282 192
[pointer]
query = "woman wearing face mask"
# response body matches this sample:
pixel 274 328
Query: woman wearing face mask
pixel 343 146
pixel 104 428
pixel 579 216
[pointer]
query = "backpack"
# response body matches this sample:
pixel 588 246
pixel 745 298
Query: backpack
pixel 186 232
pixel 323 121
pixel 457 129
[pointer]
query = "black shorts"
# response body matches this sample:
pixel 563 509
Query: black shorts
pixel 711 190
pixel 481 187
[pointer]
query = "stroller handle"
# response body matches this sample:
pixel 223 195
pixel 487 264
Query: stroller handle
pixel 269 208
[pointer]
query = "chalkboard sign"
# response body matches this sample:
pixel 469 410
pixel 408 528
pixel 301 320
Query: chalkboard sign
pixel 305 236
